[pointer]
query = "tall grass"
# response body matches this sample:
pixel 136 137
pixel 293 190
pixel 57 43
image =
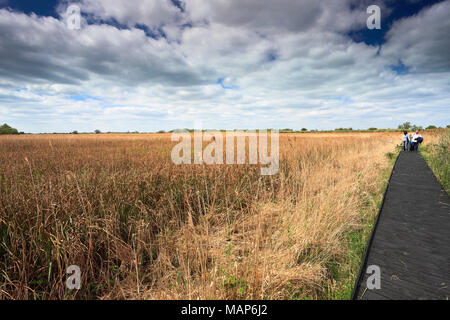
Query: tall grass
pixel 139 226
pixel 437 156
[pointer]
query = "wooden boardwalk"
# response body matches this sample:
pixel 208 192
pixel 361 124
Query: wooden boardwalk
pixel 410 242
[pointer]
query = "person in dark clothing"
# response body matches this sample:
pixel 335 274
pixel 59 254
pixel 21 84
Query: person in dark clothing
pixel 405 141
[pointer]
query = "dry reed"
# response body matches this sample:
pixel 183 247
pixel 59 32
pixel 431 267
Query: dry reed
pixel 141 227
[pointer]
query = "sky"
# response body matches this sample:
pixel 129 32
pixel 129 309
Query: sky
pixel 154 65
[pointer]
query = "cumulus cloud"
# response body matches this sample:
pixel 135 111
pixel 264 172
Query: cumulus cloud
pixel 421 42
pixel 232 64
pixel 44 48
pixel 145 12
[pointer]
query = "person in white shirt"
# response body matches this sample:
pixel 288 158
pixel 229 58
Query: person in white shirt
pixel 415 140
pixel 405 141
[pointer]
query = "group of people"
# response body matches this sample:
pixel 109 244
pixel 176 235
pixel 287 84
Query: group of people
pixel 411 141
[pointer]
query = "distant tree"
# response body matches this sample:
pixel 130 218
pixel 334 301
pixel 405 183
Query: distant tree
pixel 415 128
pixel 5 129
pixel 97 131
pixel 448 126
pixel 75 132
pixel 161 131
pixel 430 127
pixel 343 129
pixel 405 125
pixel 372 129
pixel 304 129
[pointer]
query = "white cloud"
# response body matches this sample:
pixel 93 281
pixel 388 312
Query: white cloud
pixel 422 42
pixel 233 64
pixel 147 12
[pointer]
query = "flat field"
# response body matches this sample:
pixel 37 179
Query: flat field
pixel 141 227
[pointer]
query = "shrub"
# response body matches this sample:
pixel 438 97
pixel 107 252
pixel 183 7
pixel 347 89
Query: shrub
pixel 5 129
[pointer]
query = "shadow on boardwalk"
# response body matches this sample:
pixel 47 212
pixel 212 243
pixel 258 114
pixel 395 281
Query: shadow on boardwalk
pixel 411 240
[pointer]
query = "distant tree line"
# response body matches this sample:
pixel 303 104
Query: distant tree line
pixel 6 129
pixel 408 126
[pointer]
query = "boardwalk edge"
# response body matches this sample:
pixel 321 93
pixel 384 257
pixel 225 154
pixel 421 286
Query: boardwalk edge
pixel 372 235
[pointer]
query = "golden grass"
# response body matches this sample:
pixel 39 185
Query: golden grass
pixel 141 227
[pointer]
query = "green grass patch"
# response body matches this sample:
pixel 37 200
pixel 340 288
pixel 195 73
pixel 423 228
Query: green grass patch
pixel 346 272
pixel 437 156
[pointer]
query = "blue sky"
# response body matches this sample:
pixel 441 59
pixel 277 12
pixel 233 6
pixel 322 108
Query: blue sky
pixel 165 64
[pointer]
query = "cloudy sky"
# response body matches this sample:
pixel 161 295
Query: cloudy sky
pixel 163 64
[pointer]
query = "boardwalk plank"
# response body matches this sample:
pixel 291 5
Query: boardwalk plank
pixel 411 241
